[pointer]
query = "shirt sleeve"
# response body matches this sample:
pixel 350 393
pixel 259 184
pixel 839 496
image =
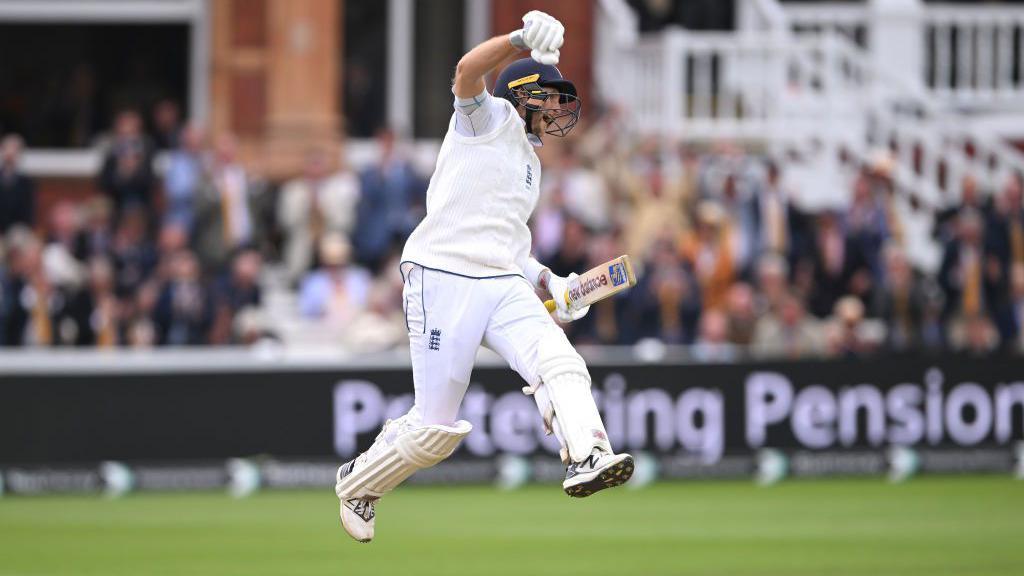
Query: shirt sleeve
pixel 479 115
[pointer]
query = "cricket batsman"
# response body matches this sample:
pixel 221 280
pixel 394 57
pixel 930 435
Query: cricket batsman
pixel 470 280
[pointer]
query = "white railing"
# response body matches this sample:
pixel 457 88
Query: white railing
pixel 819 95
pixel 975 54
pixel 972 55
pixel 849 19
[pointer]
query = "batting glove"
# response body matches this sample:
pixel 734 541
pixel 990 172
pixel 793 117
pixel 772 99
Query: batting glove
pixel 558 286
pixel 542 34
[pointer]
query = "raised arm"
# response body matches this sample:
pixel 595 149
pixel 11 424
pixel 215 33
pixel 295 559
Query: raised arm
pixel 540 33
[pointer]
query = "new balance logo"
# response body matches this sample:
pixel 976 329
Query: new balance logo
pixel 435 339
pixel 591 461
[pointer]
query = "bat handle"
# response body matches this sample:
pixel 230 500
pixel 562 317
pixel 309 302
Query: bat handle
pixel 550 304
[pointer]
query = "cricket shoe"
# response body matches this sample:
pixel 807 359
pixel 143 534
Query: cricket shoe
pixel 357 514
pixel 598 471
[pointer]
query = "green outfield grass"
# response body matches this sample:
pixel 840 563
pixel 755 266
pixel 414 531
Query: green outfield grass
pixel 969 526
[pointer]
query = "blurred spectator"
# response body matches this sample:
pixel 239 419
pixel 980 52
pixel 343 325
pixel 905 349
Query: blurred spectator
pixel 772 283
pixel 867 223
pixel 313 205
pixel 970 275
pixel 227 208
pixel 185 174
pixel 974 335
pixel 166 124
pixel 657 207
pixel 134 256
pixel 741 314
pixel 709 252
pixel 970 198
pixel 337 290
pixel 666 302
pixel 238 290
pixel 1004 228
pixel 37 304
pixel 385 215
pixel 788 332
pixel 713 344
pixel 837 265
pixel 572 253
pixel 772 214
pixel 847 333
pixel 126 176
pixel 899 301
pixel 1010 316
pixel 98 227
pixel 742 212
pixel 583 190
pixel 380 325
pixel 17 191
pixel 183 314
pixel 65 231
pixel 94 309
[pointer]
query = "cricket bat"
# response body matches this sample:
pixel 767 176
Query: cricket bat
pixel 598 283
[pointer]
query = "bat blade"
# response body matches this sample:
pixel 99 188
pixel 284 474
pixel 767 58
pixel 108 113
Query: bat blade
pixel 598 283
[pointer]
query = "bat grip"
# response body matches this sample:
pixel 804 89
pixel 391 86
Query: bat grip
pixel 550 304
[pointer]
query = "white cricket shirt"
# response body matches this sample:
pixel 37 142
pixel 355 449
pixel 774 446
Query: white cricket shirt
pixel 480 197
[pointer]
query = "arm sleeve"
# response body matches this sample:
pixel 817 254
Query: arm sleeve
pixel 478 115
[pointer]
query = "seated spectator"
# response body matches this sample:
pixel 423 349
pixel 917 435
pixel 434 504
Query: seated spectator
pixel 713 344
pixel 847 334
pixel 974 335
pixel 772 283
pixel 238 290
pixel 17 191
pixel 313 205
pixel 787 333
pixel 336 290
pixel 183 314
pixel 378 326
pixel 127 176
pixel 98 227
pixel 65 231
pixel 741 314
pixel 36 303
pixel 134 256
pixel 95 309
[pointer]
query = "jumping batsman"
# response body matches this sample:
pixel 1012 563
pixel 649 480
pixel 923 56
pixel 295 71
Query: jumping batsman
pixel 469 280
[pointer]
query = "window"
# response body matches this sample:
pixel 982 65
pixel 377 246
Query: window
pixel 364 67
pixel 61 84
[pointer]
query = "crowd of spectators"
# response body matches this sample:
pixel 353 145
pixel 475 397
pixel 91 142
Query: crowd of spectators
pixel 728 263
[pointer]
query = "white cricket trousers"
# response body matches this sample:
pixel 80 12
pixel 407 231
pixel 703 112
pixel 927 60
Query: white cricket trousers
pixel 449 316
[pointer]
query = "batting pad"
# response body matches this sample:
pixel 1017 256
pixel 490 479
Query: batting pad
pixel 412 450
pixel 564 375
